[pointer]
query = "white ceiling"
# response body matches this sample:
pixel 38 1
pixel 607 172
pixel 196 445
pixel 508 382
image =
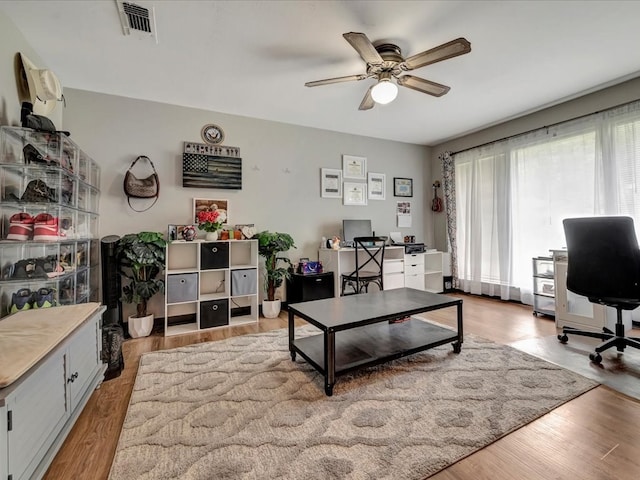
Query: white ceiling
pixel 252 58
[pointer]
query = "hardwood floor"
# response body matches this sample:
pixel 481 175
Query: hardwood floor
pixel 595 436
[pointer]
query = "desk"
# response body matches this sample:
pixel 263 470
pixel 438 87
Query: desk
pixel 344 261
pixel 356 332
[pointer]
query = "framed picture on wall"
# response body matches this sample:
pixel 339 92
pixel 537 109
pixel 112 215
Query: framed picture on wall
pixel 330 183
pixel 354 167
pixel 354 194
pixel 376 186
pixel 205 204
pixel 402 187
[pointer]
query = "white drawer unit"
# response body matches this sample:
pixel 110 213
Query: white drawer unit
pixel 414 270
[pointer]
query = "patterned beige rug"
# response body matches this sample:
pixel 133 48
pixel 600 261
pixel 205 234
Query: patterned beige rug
pixel 241 409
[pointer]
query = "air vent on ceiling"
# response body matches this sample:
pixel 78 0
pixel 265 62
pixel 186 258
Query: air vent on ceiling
pixel 137 19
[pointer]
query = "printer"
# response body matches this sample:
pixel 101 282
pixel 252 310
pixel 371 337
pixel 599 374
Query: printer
pixel 412 247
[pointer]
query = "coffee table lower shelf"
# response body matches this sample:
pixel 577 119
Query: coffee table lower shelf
pixel 371 345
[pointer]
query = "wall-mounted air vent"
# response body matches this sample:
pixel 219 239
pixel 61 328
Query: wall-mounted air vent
pixel 137 19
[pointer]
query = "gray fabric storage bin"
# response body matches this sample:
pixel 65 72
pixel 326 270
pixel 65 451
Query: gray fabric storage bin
pixel 182 287
pixel 244 282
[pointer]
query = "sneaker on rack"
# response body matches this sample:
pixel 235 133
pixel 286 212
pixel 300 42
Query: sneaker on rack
pixel 44 298
pixel 23 269
pixel 20 300
pixel 45 228
pixel 20 227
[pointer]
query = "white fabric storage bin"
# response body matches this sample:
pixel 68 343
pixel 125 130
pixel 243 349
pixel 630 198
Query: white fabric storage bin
pixel 244 282
pixel 182 287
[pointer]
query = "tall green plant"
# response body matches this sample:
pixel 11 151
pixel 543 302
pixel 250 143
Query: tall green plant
pixel 141 258
pixel 270 244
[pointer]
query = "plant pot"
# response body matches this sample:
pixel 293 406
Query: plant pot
pixel 140 327
pixel 271 309
pixel 211 236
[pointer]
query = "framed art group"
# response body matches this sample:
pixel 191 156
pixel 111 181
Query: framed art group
pixel 352 183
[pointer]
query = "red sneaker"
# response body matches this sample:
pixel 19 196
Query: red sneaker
pixel 20 227
pixel 46 228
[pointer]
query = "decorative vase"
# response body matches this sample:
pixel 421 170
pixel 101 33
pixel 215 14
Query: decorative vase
pixel 271 309
pixel 211 236
pixel 140 327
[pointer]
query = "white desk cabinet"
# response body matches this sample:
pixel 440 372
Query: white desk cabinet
pixel 576 311
pixel 422 271
pixel 39 408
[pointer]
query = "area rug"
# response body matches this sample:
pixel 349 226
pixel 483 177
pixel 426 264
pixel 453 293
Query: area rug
pixel 241 409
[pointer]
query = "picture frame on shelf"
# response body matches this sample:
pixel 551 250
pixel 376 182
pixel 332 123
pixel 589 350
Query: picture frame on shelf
pixel 354 167
pixel 172 233
pixel 330 183
pixel 376 186
pixel 204 204
pixel 354 193
pixel 402 187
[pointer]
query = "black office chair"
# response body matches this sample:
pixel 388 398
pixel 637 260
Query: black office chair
pixel 369 260
pixel 604 266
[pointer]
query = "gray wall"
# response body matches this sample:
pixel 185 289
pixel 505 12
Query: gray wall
pixel 280 168
pixel 610 97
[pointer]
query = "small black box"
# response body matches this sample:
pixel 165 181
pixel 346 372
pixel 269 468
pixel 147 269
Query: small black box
pixel 214 255
pixel 214 313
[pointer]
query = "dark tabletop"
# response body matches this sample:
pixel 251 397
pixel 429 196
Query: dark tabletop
pixel 352 310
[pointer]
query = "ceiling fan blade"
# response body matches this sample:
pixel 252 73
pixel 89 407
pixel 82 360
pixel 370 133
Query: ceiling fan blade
pixel 364 47
pixel 456 47
pixel 367 102
pixel 328 81
pixel 422 85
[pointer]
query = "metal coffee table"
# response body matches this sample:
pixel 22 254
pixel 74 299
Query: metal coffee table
pixel 356 332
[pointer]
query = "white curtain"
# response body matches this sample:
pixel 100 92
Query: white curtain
pixel 512 195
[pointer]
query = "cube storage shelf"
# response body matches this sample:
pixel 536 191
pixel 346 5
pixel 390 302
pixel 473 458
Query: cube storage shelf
pixel 46 176
pixel 210 284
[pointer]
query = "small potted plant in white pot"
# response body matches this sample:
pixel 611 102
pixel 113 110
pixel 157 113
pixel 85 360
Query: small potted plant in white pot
pixel 270 244
pixel 141 258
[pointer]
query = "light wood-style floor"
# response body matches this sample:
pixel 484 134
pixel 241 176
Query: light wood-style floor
pixel 595 436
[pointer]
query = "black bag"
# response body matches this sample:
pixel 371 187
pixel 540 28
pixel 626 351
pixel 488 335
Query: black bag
pixel 135 187
pixel 37 122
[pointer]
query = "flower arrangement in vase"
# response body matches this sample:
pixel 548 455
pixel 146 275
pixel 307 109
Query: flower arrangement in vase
pixel 211 221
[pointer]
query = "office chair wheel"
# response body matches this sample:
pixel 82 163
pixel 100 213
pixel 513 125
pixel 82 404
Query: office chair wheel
pixel 563 338
pixel 595 358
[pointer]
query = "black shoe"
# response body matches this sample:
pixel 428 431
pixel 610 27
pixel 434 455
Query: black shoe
pixel 24 269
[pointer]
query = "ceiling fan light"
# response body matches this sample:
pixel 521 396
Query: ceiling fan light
pixel 385 91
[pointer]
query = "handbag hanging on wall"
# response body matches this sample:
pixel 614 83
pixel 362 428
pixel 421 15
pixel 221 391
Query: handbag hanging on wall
pixel 148 187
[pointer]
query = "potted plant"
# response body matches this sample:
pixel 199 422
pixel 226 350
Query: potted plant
pixel 270 244
pixel 141 258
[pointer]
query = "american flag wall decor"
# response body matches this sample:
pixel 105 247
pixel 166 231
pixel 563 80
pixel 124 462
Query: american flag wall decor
pixel 211 166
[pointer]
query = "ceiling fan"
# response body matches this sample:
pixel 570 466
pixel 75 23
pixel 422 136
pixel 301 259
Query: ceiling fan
pixel 385 62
